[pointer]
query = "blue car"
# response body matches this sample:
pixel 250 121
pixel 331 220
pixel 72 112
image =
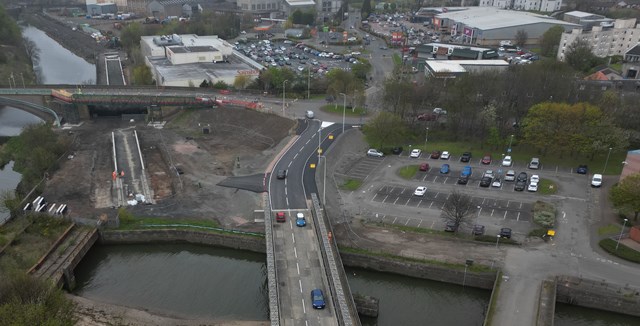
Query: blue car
pixel 444 169
pixel 300 220
pixel 466 171
pixel 317 299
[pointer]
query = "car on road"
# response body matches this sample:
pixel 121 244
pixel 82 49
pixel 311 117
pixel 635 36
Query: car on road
pixel 396 150
pixel 534 164
pixel 533 187
pixel 374 153
pixel 420 191
pixel 445 155
pixel 466 157
pixel 497 183
pixel 435 154
pixel 522 177
pixel 280 217
pixel 424 167
pixel 485 182
pixel 488 173
pixel 415 153
pixel 281 174
pixel 317 299
pixel 596 181
pixel 463 180
pixel 582 169
pixel 510 175
pixel 478 229
pixel 451 226
pixel 300 220
pixel 506 161
pixel 486 159
pixel 535 178
pixel 505 233
pixel 444 169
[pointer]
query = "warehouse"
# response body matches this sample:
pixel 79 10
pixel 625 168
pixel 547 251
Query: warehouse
pixel 488 26
pixel 101 9
pixel 456 68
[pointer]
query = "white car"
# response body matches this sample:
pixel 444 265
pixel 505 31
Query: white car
pixel 420 191
pixel 510 176
pixel 415 153
pixel 445 155
pixel 496 183
pixel 535 178
pixel 596 181
pixel 506 161
pixel 533 187
pixel 374 153
pixel 488 173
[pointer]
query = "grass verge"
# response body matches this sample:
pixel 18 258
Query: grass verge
pixel 544 214
pixel 397 60
pixel 623 251
pixel 494 239
pixel 351 184
pixel 609 229
pixel 537 232
pixel 547 187
pixel 408 172
pixel 337 109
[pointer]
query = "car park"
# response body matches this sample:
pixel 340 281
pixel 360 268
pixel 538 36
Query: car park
pixel 533 187
pixel 466 157
pixel 420 191
pixel 505 233
pixel 507 161
pixel 596 180
pixel 497 183
pixel 534 178
pixel 486 159
pixel 415 153
pixel 435 154
pixel 478 229
pixel 444 155
pixel 281 174
pixel 444 169
pixel 424 167
pixel 582 169
pixel 374 153
pixel 485 182
pixel 520 185
pixel 280 217
pixel 300 220
pixel 451 226
pixel 510 175
pixel 317 299
pixel 534 164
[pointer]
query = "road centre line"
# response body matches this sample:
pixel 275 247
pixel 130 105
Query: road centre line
pixel 300 283
pixel 293 238
pixel 298 267
pixel 304 310
pixel 518 219
pixel 295 252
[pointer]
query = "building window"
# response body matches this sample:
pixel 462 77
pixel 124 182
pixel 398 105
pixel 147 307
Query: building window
pixel 253 7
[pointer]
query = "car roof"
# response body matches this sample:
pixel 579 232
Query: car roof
pixel 597 176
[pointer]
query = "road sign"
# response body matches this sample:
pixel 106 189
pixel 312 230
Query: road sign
pixel 312 165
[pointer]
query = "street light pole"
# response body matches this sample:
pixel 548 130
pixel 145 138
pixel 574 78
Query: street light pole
pixel 510 142
pixel 621 231
pixel 497 241
pixel 607 161
pixel 426 138
pixel 309 83
pixel 284 84
pixel 344 109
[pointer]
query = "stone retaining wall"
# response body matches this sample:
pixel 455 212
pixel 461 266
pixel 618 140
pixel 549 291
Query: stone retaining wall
pixel 598 295
pixel 419 270
pixel 546 303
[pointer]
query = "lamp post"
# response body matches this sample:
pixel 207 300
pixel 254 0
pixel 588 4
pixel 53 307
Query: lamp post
pixel 621 231
pixel 284 84
pixel 497 240
pixel 309 83
pixel 344 109
pixel 510 142
pixel 426 138
pixel 607 161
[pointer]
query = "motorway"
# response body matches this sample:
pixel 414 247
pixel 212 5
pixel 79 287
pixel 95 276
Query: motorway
pixel 299 264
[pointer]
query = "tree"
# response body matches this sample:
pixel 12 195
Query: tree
pixel 458 208
pixel 220 84
pixel 626 195
pixel 366 9
pixel 385 129
pixel 580 57
pixel 241 81
pixel 551 40
pixel 204 83
pixel 142 75
pixel 521 37
pixel 9 30
pixel 130 36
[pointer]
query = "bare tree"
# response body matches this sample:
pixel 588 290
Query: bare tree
pixel 32 51
pixel 458 208
pixel 521 37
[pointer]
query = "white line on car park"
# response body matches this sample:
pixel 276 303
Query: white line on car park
pixel 374 197
pixel 436 178
pixel 445 180
pixel 396 200
pixel 430 204
pixel 520 205
pixel 505 215
pixel 518 219
pixel 432 224
pixel 394 220
pixel 419 223
pixel 492 212
pixel 436 196
pixel 407 203
pixel 407 222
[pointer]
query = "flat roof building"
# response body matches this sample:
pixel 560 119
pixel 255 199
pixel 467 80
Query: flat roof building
pixel 613 39
pixel 455 68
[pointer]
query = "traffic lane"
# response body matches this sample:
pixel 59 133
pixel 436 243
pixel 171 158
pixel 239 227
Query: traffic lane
pixel 309 181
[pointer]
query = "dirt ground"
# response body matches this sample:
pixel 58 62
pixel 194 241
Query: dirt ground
pixel 240 142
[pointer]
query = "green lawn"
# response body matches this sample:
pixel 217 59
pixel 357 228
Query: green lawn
pixel 351 184
pixel 547 187
pixel 610 229
pixel 338 109
pixel 397 60
pixel 142 222
pixel 408 171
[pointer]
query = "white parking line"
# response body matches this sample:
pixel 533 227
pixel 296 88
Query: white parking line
pixel 445 180
pixel 374 197
pixel 385 198
pixel 394 220
pixel 290 164
pixel 407 222
pixel 436 196
pixel 508 202
pixel 479 211
pixel 396 200
pixel 520 204
pixel 483 199
pixel 492 212
pixel 430 204
pixel 407 203
pixel 419 223
pixel 420 202
pixel 294 156
pixel 505 215
pixel 425 177
pixel 432 224
pixel 436 178
pixel 518 219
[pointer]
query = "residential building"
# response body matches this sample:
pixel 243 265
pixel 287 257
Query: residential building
pixel 530 5
pixel 605 41
pixel 587 20
pixel 631 63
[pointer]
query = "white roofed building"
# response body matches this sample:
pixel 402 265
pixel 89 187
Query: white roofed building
pixel 534 5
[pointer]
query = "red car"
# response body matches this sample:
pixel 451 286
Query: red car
pixel 424 167
pixel 486 159
pixel 280 217
pixel 435 154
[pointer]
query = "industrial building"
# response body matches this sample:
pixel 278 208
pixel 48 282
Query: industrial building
pixel 587 20
pixel 488 26
pixel 535 5
pixel 606 40
pixel 188 60
pixel 455 68
pixel 454 52
pixel 101 9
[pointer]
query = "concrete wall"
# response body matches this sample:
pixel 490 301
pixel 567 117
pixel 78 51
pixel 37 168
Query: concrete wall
pixel 598 295
pixel 418 270
pixel 546 303
pixel 233 241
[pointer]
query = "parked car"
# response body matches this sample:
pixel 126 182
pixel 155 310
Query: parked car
pixel 415 153
pixel 505 233
pixel 463 180
pixel 466 171
pixel 300 220
pixel 486 159
pixel 533 186
pixel 451 226
pixel 420 191
pixel 478 229
pixel 444 155
pixel 485 182
pixel 444 169
pixel 520 185
pixel 534 164
pixel 424 167
pixel 535 178
pixel 497 183
pixel 396 150
pixel 596 181
pixel 488 173
pixel 507 161
pixel 317 299
pixel 435 154
pixel 510 175
pixel 582 169
pixel 466 157
pixel 522 177
pixel 280 217
pixel 374 153
pixel 281 174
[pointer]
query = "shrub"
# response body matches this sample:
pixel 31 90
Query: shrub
pixel 544 214
pixel 623 251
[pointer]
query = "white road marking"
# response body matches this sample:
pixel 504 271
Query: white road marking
pixel 290 225
pixel 483 199
pixel 295 156
pixel 300 283
pixel 289 165
pixel 436 196
pixel 518 219
pixel 419 223
pixel 407 203
pixel 374 197
pixel 479 211
pixel 419 203
pixel 508 202
pixel 293 238
pixel 430 204
pixel 505 215
pixel 394 220
pixel 445 180
pixel 385 198
pixel 295 253
pixel 304 310
pixel 407 221
pixel 520 204
pixel 298 267
pixel 492 212
pixel 395 201
pixel 436 178
pixel 433 223
pixel 287 199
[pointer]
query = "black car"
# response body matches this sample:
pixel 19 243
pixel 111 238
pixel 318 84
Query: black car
pixel 582 169
pixel 397 150
pixel 522 177
pixel 485 182
pixel 281 174
pixel 463 180
pixel 466 157
pixel 520 185
pixel 478 229
pixel 505 233
pixel 451 226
